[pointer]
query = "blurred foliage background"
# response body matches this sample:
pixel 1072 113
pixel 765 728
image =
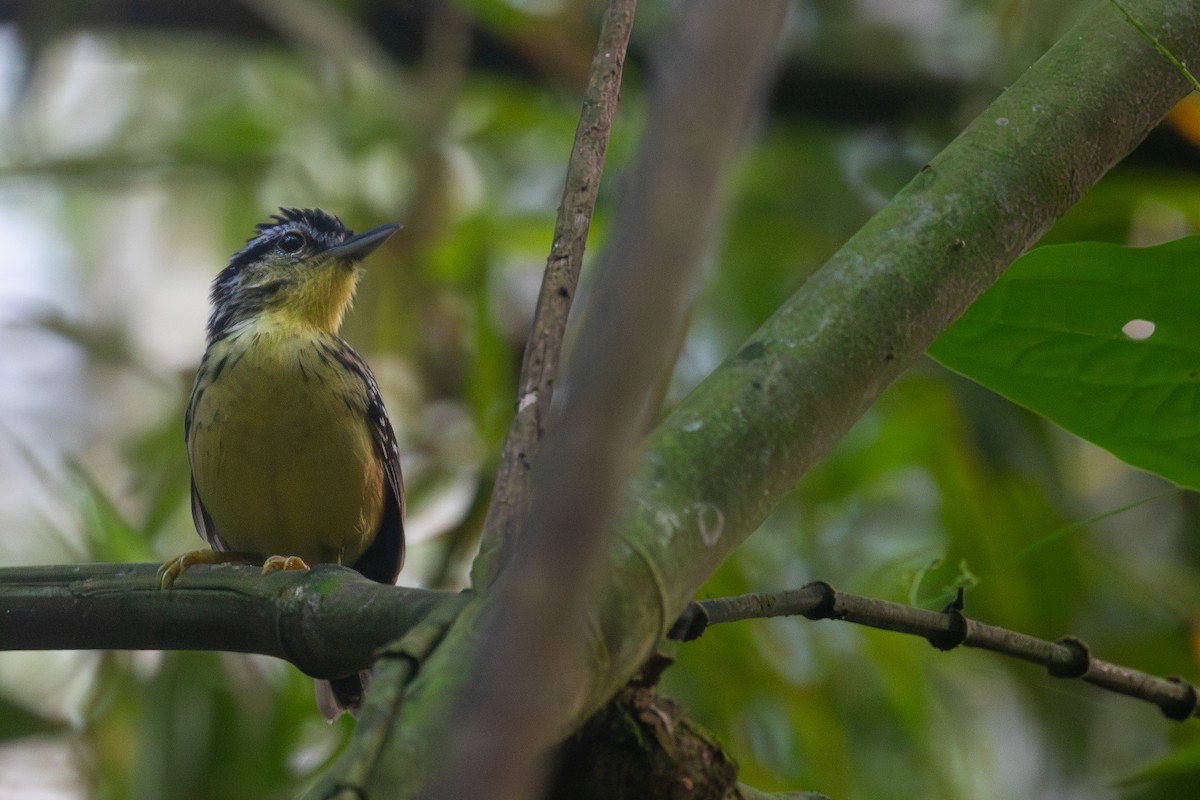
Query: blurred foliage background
pixel 142 140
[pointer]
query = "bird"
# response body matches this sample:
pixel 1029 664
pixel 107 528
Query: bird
pixel 293 458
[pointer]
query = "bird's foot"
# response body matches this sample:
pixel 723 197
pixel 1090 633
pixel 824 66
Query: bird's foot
pixel 172 569
pixel 276 563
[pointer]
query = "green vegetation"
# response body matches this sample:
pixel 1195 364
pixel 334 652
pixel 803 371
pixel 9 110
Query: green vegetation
pixel 137 158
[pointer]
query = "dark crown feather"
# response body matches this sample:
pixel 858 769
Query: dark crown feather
pixel 326 228
pixel 316 219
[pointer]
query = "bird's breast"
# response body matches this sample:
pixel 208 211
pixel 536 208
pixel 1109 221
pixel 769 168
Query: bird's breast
pixel 281 452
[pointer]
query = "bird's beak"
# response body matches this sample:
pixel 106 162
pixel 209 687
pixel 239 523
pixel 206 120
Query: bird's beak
pixel 363 244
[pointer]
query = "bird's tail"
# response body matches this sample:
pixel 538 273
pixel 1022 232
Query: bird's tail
pixel 341 695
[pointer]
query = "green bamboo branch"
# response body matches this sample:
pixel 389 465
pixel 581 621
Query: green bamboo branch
pixel 1166 53
pixel 329 621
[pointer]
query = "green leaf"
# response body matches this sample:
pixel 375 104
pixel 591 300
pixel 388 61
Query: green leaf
pixel 112 536
pixel 1053 335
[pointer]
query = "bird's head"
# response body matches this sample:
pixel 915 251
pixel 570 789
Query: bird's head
pixel 301 266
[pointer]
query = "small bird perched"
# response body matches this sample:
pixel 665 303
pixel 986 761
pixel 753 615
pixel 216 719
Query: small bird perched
pixel 293 458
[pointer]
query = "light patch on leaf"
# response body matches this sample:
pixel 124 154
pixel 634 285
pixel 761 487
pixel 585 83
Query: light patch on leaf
pixel 1138 329
pixel 710 521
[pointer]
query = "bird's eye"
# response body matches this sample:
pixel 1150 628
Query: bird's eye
pixel 291 242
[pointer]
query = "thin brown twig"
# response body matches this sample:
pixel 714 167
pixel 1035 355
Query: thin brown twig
pixel 1068 657
pixel 540 366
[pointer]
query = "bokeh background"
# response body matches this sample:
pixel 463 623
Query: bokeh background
pixel 140 142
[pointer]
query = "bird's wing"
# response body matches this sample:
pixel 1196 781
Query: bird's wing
pixel 383 559
pixel 204 523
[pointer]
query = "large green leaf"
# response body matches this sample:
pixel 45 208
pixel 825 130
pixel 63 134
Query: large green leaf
pixel 1052 336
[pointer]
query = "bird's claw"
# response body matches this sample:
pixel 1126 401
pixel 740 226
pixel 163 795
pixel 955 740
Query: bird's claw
pixel 277 563
pixel 172 569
